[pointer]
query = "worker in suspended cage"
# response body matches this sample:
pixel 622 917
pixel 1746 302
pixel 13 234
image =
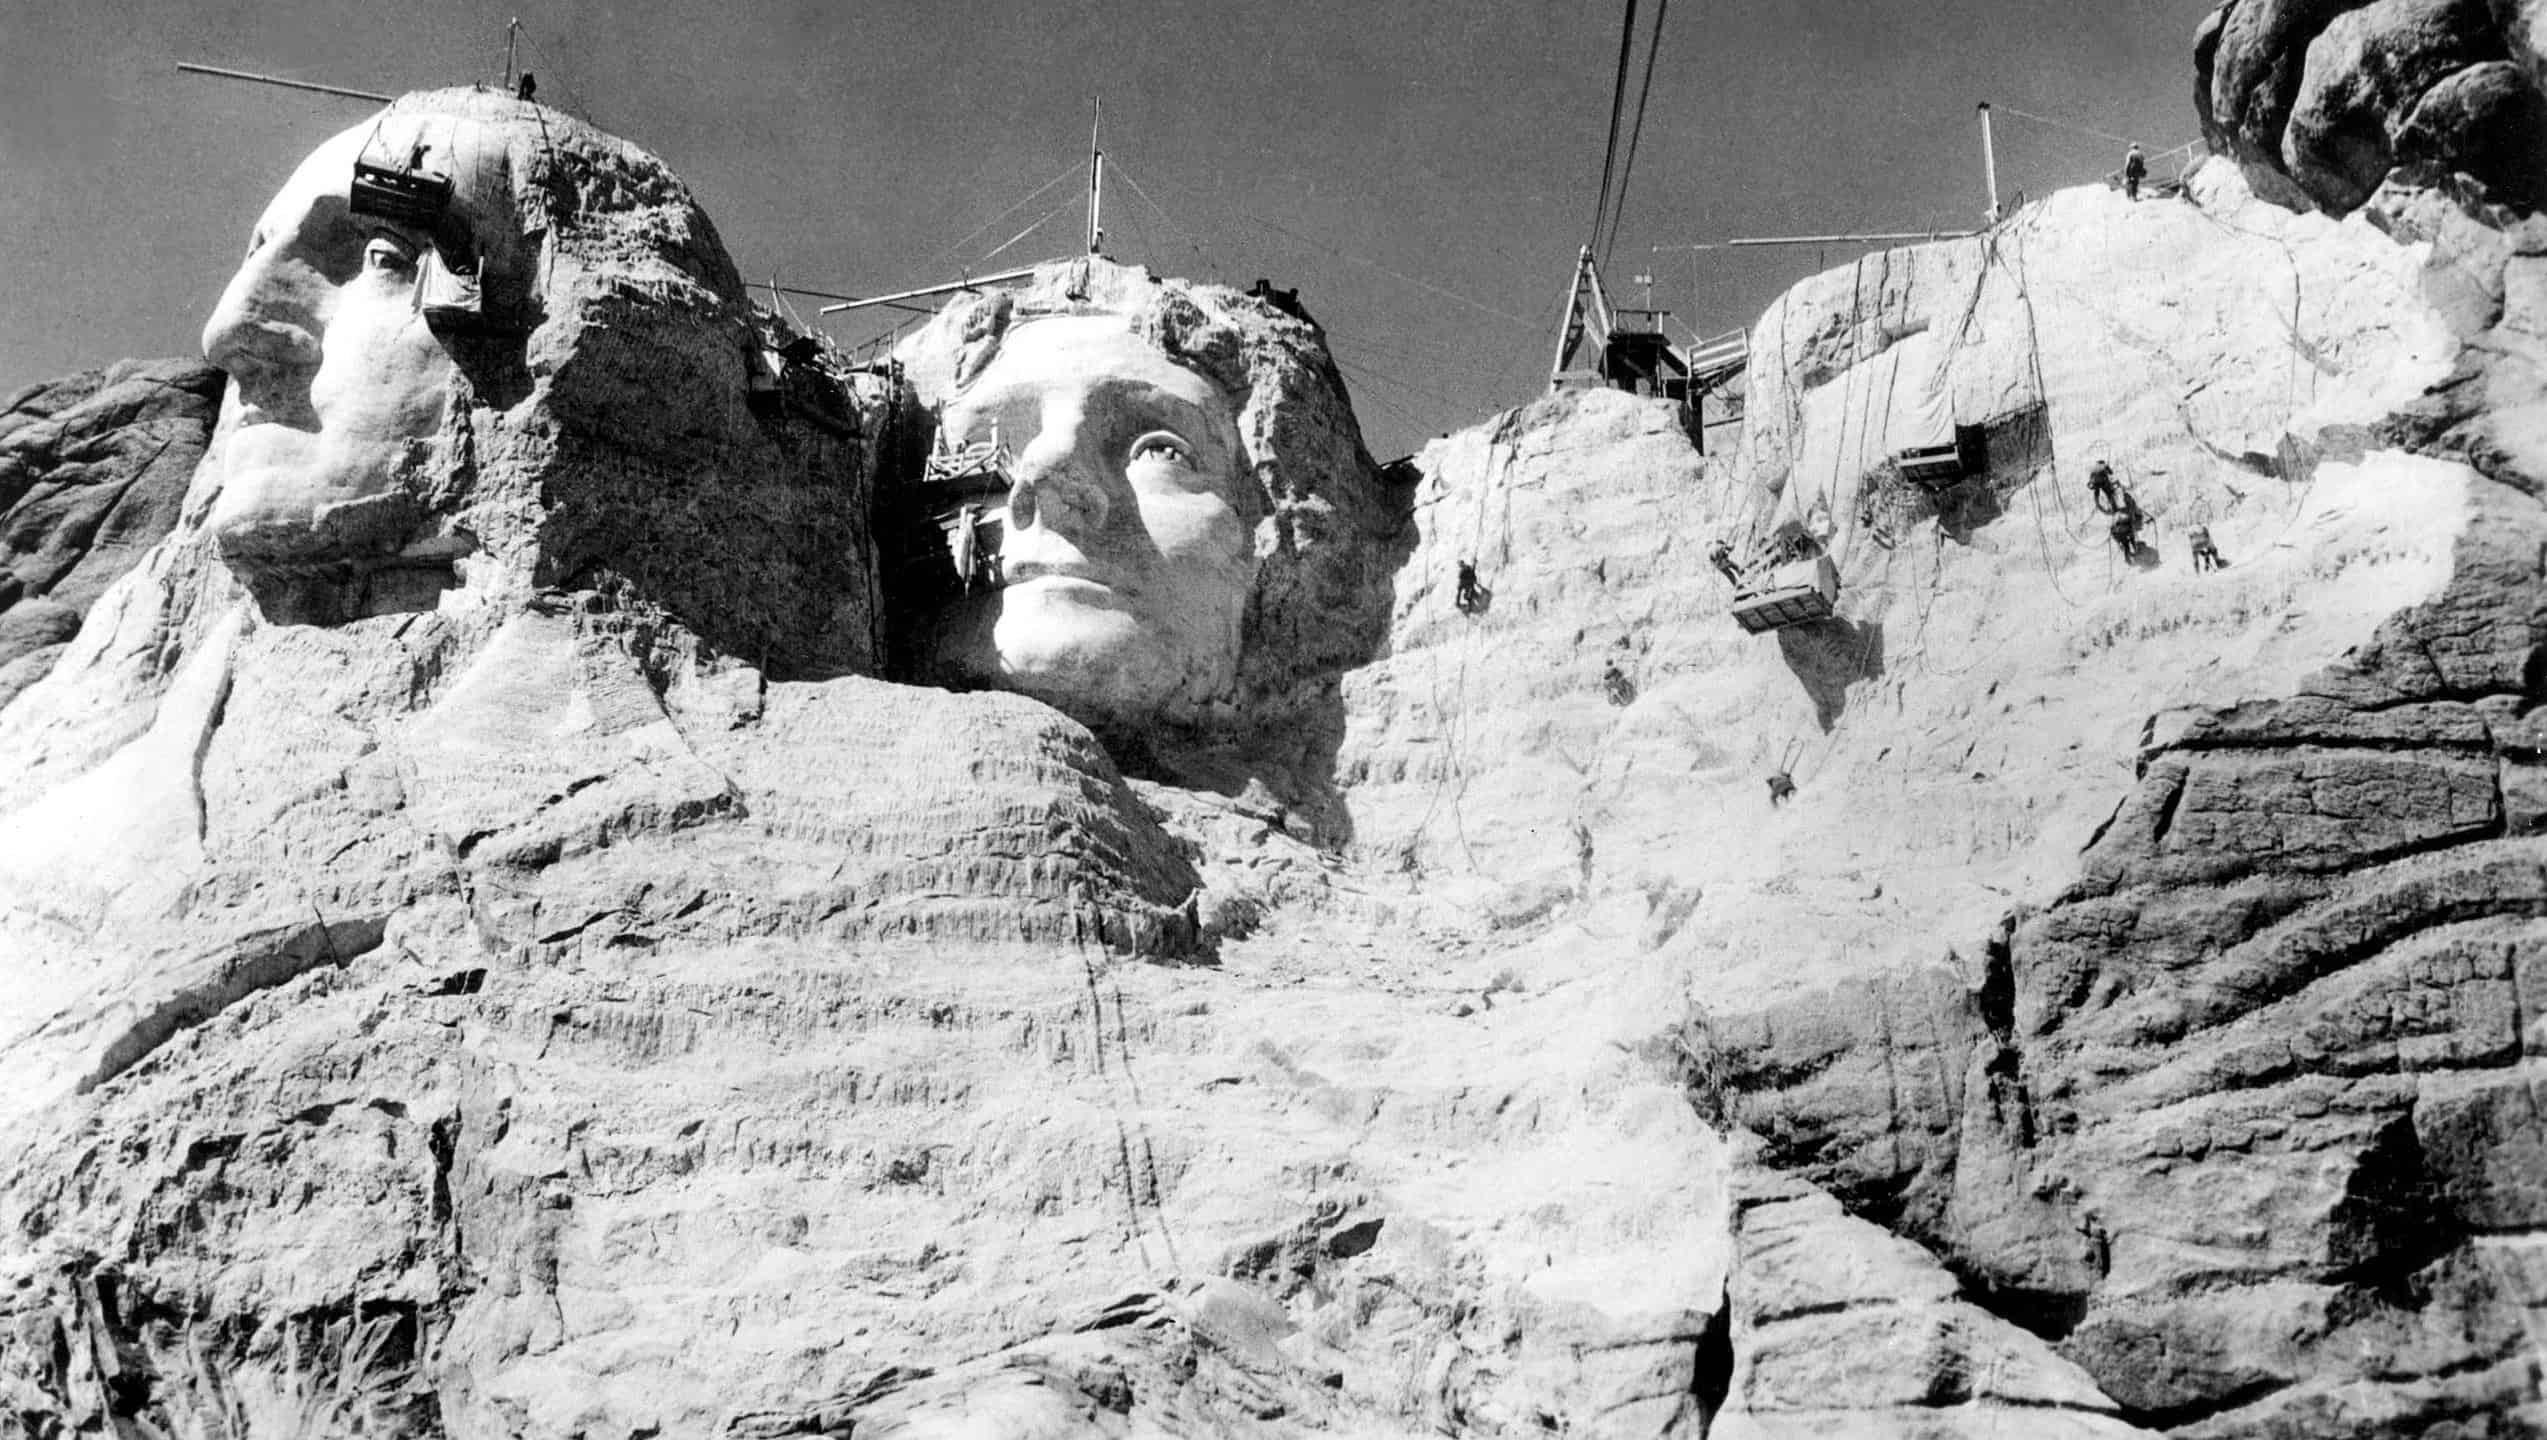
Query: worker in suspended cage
pixel 1720 555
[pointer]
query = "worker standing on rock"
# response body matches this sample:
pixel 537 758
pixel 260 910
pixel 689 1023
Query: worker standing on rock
pixel 2135 169
pixel 2101 488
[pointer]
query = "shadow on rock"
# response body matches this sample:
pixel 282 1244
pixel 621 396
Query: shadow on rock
pixel 1830 655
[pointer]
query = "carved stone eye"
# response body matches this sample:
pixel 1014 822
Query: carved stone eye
pixel 1161 445
pixel 389 255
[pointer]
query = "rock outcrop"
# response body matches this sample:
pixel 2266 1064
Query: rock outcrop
pixel 515 1012
pixel 92 469
pixel 2322 99
pixel 2331 750
pixel 2231 1117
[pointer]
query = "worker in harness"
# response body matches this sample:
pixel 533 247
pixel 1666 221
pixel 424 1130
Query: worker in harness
pixel 2102 490
pixel 2206 556
pixel 2135 169
pixel 1720 555
pixel 1466 599
pixel 1616 685
pixel 2127 524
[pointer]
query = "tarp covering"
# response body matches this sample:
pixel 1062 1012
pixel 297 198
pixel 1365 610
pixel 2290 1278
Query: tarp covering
pixel 1901 398
pixel 1922 396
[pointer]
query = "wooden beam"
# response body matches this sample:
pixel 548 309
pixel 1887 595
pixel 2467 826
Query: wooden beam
pixel 1887 238
pixel 947 288
pixel 193 69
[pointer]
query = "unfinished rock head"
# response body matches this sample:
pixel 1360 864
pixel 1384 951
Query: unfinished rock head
pixel 1195 537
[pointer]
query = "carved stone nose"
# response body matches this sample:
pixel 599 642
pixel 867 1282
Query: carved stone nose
pixel 1056 479
pixel 265 332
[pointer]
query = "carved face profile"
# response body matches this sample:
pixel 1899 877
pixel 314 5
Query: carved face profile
pixel 1129 551
pixel 339 386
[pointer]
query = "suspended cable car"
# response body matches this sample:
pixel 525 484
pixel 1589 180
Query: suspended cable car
pixel 405 194
pixel 1796 581
pixel 1927 445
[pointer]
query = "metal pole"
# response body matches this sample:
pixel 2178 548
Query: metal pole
pixel 949 286
pixel 286 84
pixel 1096 181
pixel 512 38
pixel 1896 236
pixel 836 295
pixel 1989 162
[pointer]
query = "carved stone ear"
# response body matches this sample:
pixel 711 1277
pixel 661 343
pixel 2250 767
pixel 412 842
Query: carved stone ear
pixel 985 323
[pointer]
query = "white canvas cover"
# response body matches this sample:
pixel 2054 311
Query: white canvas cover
pixel 1902 398
pixel 1922 399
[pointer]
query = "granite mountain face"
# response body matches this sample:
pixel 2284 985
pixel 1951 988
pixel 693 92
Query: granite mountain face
pixel 500 942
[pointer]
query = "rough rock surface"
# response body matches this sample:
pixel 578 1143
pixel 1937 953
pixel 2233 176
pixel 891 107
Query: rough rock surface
pixel 92 469
pixel 518 1020
pixel 2321 99
pixel 2330 755
pixel 2231 1116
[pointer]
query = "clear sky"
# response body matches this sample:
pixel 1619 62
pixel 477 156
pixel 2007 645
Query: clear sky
pixel 1422 170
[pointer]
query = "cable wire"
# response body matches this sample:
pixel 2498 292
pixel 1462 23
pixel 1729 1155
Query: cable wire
pixel 1048 218
pixel 1635 132
pixel 1425 285
pixel 1618 102
pixel 1076 167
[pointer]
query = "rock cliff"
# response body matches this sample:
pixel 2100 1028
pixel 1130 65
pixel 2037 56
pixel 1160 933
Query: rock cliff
pixel 512 1016
pixel 2145 944
pixel 92 468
